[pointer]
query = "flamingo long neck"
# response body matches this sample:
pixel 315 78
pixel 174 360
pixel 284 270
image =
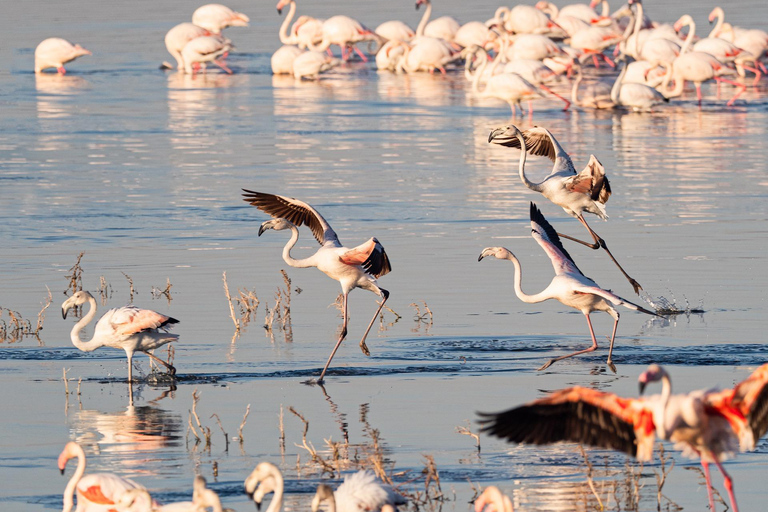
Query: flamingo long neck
pixel 277 499
pixel 638 26
pixel 69 490
pixel 616 89
pixel 679 82
pixel 85 346
pixel 424 20
pixel 530 299
pixel 478 73
pixel 719 25
pixel 666 392
pixel 285 37
pixel 521 169
pixel 575 90
pixel 689 38
pixel 303 263
pixel 606 9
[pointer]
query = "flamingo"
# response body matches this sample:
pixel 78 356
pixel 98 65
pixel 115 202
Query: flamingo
pixel 698 67
pixel 597 95
pixel 205 49
pixel 638 97
pixel 537 73
pixel 358 267
pixel 395 30
pixel 282 60
pixel 570 24
pixel 139 500
pixel 707 424
pixel 264 479
pixel 179 36
pixel 388 56
pixel 444 27
pixel 587 191
pixel 216 17
pixel 593 40
pixel 492 500
pixel 569 286
pixel 472 33
pixel 427 54
pixel 97 492
pixel 129 328
pixel 305 31
pixel 509 87
pixel 54 52
pixel 360 492
pixel 345 32
pixel 311 64
pixel 533 47
pixel 526 19
pixel 754 41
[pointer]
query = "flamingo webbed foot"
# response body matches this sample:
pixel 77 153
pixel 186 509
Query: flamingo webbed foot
pixel 364 348
pixel 611 365
pixel 547 364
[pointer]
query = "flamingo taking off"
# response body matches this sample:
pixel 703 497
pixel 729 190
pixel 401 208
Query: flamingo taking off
pixel 358 267
pixel 54 52
pixel 569 286
pixel 360 492
pixel 707 424
pixel 586 191
pixel 217 17
pixel 95 492
pixel 129 328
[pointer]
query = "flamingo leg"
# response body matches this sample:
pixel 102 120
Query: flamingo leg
pixel 223 66
pixel 741 87
pixel 341 336
pixel 362 56
pixel 705 465
pixel 590 349
pixel 363 346
pixel 698 93
pixel 609 362
pixel 599 242
pixel 130 367
pixel 595 61
pixel 728 486
pixel 61 70
pixel 170 367
pixel 553 93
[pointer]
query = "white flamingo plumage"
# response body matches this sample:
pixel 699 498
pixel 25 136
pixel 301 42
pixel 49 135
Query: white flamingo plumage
pixel 596 95
pixel 204 49
pixel 310 65
pixel 264 479
pixel 345 32
pixel 532 46
pixel 179 36
pixel 638 97
pixel 537 73
pixel 128 328
pixel 139 500
pixel 575 193
pixel 97 492
pixel 754 41
pixel 305 31
pixel 358 267
pixel 569 286
pixel 54 52
pixel 709 425
pixel 444 27
pixel 593 41
pixel 426 54
pixel 472 33
pixel 283 58
pixel 492 500
pixel 526 19
pixel 697 67
pixel 217 17
pixel 360 492
pixel 395 30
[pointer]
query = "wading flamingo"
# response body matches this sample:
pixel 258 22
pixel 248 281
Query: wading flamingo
pixel 217 17
pixel 129 328
pixel 54 52
pixel 264 479
pixel 358 267
pixel 178 37
pixel 344 32
pixel 638 97
pixel 205 49
pixel 707 424
pixel 360 492
pixel 493 498
pixel 305 31
pixel 586 191
pixel 95 492
pixel 569 286
pixel 139 500
pixel 444 27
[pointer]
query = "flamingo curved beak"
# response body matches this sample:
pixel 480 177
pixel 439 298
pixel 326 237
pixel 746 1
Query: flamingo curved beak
pixel 265 226
pixel 641 386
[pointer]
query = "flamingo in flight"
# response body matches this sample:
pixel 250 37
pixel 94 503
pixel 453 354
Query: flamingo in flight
pixel 569 286
pixel 575 193
pixel 707 424
pixel 129 328
pixel 95 492
pixel 360 492
pixel 358 267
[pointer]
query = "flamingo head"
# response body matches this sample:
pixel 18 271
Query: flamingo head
pixel 276 224
pixel 420 2
pixel 81 51
pixel 653 373
pixel 505 136
pixel 264 470
pixel 500 253
pixel 323 493
pixel 683 21
pixel 70 451
pixel 594 3
pixel 281 4
pixel 134 500
pixel 78 299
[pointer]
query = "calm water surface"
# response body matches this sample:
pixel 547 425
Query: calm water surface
pixel 142 171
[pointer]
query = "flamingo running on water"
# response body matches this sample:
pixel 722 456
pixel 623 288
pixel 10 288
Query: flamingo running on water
pixel 54 52
pixel 360 492
pixel 569 286
pixel 129 328
pixel 95 492
pixel 358 267
pixel 707 424
pixel 586 191
pixel 217 17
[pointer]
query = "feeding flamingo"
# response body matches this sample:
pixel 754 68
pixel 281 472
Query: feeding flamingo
pixel 96 492
pixel 586 191
pixel 179 36
pixel 358 267
pixel 139 500
pixel 217 17
pixel 129 328
pixel 638 97
pixel 54 52
pixel 282 60
pixel 360 492
pixel 205 49
pixel 311 65
pixel 569 286
pixel 707 424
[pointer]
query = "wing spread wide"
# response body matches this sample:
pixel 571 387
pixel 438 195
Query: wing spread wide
pixel 371 256
pixel 295 211
pixel 546 236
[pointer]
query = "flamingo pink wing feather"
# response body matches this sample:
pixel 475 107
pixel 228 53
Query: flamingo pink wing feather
pixel 358 255
pixel 140 320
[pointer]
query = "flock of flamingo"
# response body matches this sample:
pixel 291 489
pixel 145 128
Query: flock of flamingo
pixel 531 47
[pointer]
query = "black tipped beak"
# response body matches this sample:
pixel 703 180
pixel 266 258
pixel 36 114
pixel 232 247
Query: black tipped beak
pixel 480 258
pixel 641 385
pixel 64 313
pixel 62 471
pixel 258 505
pixel 279 11
pixel 261 230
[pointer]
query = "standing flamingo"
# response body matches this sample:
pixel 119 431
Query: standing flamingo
pixel 179 36
pixel 344 32
pixel 95 492
pixel 638 97
pixel 305 30
pixel 587 191
pixel 358 267
pixel 444 27
pixel 217 17
pixel 129 328
pixel 54 52
pixel 569 286
pixel 710 425
pixel 205 49
pixel 360 492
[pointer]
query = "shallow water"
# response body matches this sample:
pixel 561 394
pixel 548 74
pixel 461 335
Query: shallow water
pixel 142 171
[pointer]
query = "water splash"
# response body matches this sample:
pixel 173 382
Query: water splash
pixel 669 307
